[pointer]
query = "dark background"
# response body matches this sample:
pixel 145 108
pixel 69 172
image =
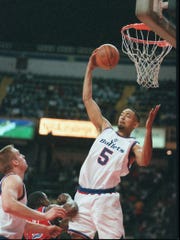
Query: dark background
pixel 85 23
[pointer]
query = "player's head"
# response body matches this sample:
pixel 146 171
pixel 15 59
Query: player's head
pixel 11 160
pixel 37 199
pixel 128 119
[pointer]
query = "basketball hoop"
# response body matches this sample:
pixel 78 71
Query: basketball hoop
pixel 147 50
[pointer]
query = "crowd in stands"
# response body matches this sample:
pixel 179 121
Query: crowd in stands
pixel 60 97
pixel 150 212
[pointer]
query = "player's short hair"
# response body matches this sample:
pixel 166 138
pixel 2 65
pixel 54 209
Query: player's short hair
pixel 135 112
pixel 37 199
pixel 6 155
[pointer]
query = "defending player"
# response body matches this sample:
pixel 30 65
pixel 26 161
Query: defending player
pixel 13 210
pixel 39 201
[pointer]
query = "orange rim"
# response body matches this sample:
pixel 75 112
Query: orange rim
pixel 142 26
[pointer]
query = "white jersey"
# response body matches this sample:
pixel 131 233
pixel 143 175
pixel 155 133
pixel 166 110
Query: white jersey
pixel 11 226
pixel 107 161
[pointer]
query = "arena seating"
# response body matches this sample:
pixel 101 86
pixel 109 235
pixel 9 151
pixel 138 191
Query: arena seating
pixel 60 97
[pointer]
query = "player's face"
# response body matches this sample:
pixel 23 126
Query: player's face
pixel 21 159
pixel 127 120
pixel 45 200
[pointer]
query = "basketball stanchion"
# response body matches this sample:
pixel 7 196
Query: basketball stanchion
pixel 147 50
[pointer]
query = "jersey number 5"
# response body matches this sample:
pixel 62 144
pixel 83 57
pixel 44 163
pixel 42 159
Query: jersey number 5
pixel 104 156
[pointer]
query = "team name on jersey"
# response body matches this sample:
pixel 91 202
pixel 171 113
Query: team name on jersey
pixel 112 144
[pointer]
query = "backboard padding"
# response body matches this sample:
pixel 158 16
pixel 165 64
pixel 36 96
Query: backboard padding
pixel 148 12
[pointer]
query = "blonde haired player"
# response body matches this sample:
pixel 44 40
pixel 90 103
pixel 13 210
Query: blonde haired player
pixel 109 158
pixel 14 214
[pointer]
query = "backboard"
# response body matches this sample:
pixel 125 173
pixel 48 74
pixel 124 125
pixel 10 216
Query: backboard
pixel 160 16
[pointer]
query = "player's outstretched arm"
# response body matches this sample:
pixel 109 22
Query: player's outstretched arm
pixel 143 154
pixel 11 186
pixel 93 110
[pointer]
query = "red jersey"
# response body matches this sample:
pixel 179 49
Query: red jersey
pixel 41 236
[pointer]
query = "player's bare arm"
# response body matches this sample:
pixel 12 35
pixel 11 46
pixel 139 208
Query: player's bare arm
pixel 143 154
pixel 93 110
pixel 12 189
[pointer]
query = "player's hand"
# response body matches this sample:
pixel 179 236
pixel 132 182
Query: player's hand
pixel 56 212
pixel 152 114
pixel 65 200
pixel 92 60
pixel 53 231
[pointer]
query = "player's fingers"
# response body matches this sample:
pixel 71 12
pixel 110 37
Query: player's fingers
pixel 62 212
pixel 56 231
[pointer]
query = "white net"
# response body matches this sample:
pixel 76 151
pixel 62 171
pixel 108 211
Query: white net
pixel 147 50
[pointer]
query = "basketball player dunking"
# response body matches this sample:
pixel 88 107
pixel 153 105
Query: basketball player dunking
pixel 109 158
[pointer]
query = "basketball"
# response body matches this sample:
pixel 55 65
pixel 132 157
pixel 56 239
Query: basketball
pixel 107 56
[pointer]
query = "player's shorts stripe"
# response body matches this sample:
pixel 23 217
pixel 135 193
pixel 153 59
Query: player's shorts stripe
pixel 95 191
